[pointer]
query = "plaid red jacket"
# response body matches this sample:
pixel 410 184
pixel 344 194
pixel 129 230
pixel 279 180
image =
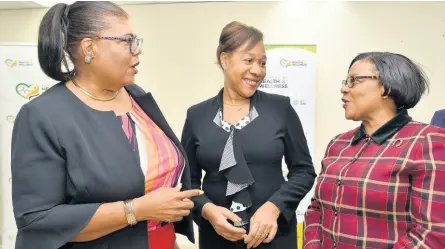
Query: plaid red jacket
pixel 382 191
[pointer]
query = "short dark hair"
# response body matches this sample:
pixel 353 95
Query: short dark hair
pixel 64 25
pixel 234 35
pixel 404 81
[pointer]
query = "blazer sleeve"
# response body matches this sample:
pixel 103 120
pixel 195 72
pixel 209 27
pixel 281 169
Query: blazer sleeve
pixel 299 162
pixel 437 117
pixel 188 141
pixel 44 217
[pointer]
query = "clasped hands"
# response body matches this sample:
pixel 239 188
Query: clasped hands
pixel 263 224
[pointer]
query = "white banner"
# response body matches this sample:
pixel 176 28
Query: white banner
pixel 21 80
pixel 291 71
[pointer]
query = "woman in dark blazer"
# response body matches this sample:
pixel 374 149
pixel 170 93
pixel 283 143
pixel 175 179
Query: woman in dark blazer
pixel 239 138
pixel 94 162
pixel 439 119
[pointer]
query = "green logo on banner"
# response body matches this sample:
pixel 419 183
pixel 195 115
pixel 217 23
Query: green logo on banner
pixel 29 91
pixel 11 63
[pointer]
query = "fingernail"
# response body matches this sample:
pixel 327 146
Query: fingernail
pixel 201 192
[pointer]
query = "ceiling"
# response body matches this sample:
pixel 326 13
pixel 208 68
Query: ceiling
pixel 10 5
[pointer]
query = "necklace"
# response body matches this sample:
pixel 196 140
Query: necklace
pixel 238 107
pixel 91 95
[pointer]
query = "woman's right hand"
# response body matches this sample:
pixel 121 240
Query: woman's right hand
pixel 164 204
pixel 218 217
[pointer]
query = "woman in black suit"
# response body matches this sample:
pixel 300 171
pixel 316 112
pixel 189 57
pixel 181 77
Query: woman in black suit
pixel 80 174
pixel 439 119
pixel 239 138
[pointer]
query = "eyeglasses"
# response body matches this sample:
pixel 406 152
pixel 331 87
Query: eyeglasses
pixel 352 80
pixel 135 42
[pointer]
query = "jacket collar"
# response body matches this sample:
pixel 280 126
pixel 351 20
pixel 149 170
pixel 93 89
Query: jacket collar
pixel 386 131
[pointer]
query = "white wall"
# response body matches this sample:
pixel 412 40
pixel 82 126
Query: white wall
pixel 178 60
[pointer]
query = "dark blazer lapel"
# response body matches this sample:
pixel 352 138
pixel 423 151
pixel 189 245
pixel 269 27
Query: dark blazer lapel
pixel 150 107
pixel 148 104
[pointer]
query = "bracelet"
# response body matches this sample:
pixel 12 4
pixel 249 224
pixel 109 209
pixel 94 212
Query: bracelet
pixel 129 213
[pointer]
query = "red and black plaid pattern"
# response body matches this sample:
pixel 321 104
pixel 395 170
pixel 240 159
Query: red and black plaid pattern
pixel 390 195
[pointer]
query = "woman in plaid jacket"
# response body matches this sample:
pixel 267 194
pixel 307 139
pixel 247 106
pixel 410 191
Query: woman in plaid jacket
pixel 382 185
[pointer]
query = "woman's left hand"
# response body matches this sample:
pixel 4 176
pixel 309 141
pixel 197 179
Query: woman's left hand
pixel 263 225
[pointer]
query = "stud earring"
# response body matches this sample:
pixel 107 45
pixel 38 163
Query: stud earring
pixel 88 59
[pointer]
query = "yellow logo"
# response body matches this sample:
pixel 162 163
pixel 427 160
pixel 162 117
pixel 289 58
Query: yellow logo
pixel 10 63
pixel 19 63
pixel 29 91
pixel 292 63
pixel 10 119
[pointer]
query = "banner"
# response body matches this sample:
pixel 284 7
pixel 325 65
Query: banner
pixel 291 71
pixel 21 80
